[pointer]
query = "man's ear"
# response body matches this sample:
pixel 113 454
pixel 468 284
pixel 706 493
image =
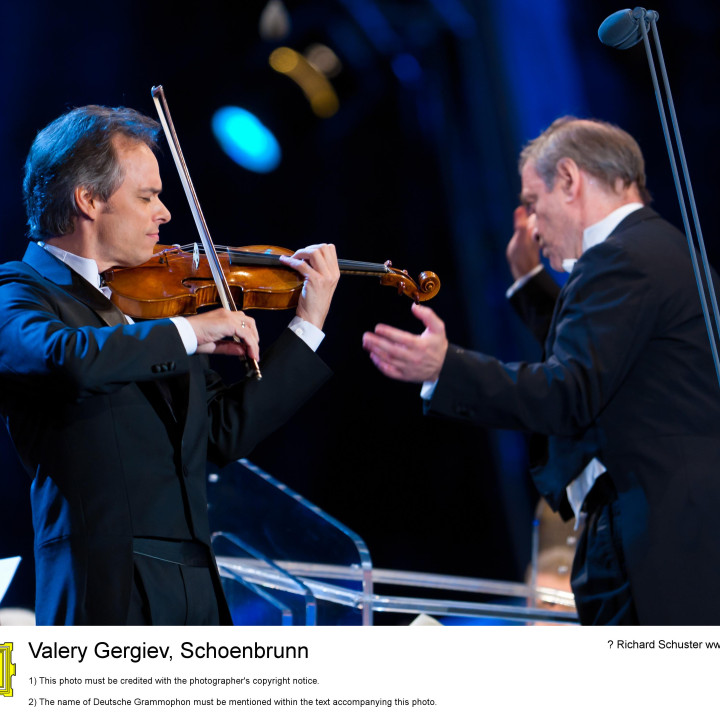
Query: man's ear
pixel 568 177
pixel 86 202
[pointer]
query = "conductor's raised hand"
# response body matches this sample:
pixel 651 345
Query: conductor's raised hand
pixel 216 330
pixel 523 250
pixel 318 264
pixel 405 356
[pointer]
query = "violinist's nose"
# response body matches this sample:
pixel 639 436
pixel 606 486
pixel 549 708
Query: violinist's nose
pixel 162 214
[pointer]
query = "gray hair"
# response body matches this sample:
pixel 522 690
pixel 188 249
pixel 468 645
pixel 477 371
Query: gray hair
pixel 77 150
pixel 603 150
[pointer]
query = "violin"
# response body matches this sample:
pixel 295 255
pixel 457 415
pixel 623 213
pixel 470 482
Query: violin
pixel 178 281
pixel 175 282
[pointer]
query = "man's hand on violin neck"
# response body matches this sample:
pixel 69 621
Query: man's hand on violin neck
pixel 404 356
pixel 216 329
pixel 318 264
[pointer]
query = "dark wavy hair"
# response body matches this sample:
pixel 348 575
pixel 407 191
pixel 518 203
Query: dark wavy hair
pixel 603 150
pixel 77 150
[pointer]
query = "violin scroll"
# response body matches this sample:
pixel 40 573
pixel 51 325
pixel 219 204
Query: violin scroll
pixel 427 287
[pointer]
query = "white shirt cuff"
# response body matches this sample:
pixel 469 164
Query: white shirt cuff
pixel 187 334
pixel 522 280
pixel 427 389
pixel 311 335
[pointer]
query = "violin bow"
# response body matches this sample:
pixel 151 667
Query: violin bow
pixel 158 95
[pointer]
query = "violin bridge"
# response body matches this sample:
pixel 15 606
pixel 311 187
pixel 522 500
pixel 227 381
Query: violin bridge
pixel 196 256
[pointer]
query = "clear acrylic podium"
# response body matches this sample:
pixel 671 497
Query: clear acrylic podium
pixel 284 561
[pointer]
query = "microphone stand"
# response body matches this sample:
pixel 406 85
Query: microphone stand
pixel 644 18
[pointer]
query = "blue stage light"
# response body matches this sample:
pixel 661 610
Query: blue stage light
pixel 246 140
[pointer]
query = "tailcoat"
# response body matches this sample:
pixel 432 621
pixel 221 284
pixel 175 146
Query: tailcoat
pixel 114 424
pixel 627 377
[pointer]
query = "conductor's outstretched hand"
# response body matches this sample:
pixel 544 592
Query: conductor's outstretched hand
pixel 405 356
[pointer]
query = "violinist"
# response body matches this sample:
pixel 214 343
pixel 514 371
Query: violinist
pixel 115 420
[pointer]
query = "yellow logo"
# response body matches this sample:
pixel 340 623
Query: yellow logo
pixel 8 669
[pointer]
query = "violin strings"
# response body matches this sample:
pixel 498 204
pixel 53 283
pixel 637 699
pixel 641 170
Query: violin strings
pixel 260 258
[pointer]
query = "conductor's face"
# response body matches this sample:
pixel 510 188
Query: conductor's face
pixel 127 224
pixel 555 230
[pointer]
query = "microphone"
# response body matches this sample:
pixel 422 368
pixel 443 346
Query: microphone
pixel 621 30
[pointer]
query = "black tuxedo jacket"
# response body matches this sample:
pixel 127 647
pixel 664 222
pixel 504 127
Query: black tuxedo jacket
pixel 627 378
pixel 109 458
